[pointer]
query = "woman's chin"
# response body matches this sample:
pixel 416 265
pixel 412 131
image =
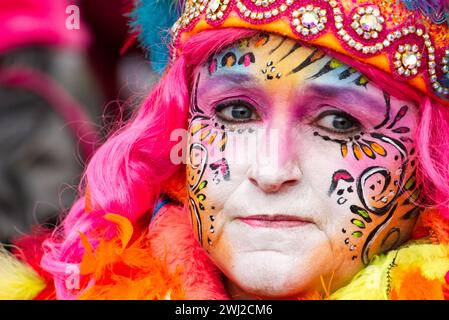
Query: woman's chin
pixel 272 275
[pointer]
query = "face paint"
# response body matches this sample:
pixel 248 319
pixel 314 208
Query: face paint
pixel 344 185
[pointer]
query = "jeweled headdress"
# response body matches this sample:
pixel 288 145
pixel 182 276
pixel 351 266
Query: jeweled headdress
pixel 408 39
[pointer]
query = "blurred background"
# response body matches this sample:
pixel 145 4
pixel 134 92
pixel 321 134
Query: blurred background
pixel 63 87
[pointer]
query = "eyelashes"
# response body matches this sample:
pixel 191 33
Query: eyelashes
pixel 240 111
pixel 236 111
pixel 337 121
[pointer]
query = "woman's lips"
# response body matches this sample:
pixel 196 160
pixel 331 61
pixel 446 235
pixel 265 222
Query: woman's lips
pixel 274 221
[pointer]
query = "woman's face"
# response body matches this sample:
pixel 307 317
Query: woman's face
pixel 298 167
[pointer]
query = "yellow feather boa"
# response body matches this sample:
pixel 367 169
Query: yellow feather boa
pixel 18 281
pixel 414 271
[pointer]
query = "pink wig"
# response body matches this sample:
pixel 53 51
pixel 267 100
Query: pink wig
pixel 36 22
pixel 127 173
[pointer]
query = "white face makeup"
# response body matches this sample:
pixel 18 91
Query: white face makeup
pixel 342 186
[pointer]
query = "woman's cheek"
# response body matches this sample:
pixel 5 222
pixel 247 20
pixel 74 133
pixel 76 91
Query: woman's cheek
pixel 372 194
pixel 213 174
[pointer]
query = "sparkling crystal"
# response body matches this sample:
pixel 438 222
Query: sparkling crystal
pixel 369 22
pixel 310 19
pixel 214 5
pixel 355 25
pixel 409 60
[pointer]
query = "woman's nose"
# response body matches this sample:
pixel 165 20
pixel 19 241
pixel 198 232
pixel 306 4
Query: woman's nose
pixel 271 179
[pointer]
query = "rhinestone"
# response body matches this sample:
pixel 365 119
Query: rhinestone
pixel 283 7
pixel 386 43
pixel 309 19
pixel 419 32
pixel 339 25
pixel 398 63
pixel 275 12
pixel 433 78
pixel 359 46
pixel 214 5
pixel 446 69
pixel 368 22
pixel 409 60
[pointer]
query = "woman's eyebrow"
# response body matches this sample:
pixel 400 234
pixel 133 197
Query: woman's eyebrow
pixel 350 100
pixel 232 78
pixel 350 95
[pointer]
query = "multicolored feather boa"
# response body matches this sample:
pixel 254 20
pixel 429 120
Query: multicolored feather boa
pixel 167 263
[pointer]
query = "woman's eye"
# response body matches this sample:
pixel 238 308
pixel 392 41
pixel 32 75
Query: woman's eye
pixel 338 122
pixel 236 111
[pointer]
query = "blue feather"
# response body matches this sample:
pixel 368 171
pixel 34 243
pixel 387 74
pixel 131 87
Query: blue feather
pixel 437 10
pixel 152 19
